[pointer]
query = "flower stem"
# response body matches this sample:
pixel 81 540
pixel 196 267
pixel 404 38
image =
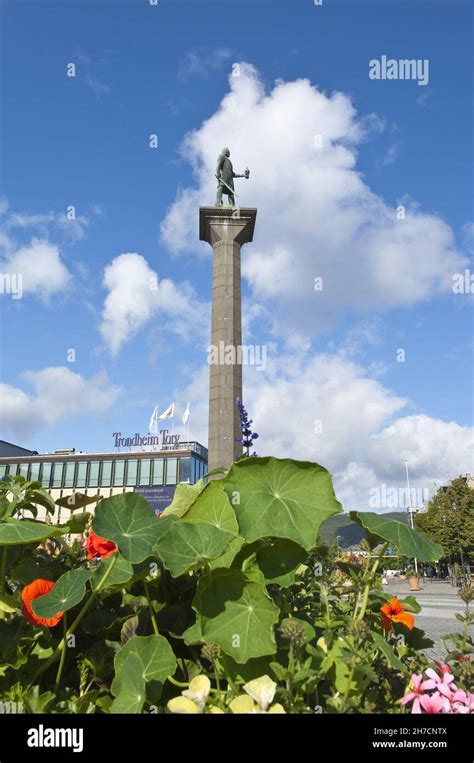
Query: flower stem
pixel 76 622
pixel 4 569
pixel 365 598
pixel 63 655
pixel 150 607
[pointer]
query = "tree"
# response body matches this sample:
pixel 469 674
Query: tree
pixel 449 520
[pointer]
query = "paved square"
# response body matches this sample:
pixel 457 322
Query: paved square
pixel 439 602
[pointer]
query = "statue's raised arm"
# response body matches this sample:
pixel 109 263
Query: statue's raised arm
pixel 225 177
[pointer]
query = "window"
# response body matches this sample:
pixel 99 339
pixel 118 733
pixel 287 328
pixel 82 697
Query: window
pixel 35 470
pixel 106 473
pixel 3 471
pixel 171 468
pixel 119 471
pixel 132 469
pixel 81 474
pixel 57 480
pixel 46 474
pixel 12 469
pixel 24 470
pixel 145 468
pixel 158 471
pixel 69 474
pixel 185 470
pixel 94 474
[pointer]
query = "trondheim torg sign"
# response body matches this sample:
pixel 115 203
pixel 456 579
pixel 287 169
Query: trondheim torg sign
pixel 167 440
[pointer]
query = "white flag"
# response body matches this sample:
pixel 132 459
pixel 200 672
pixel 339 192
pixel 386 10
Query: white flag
pixel 153 425
pixel 168 414
pixel 185 418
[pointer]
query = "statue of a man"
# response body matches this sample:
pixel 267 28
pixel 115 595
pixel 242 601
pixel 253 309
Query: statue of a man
pixel 225 177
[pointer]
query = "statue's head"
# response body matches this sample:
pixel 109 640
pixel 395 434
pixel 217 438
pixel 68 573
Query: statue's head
pixel 226 151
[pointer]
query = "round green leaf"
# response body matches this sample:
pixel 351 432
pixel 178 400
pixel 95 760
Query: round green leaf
pixel 68 591
pixel 212 507
pixel 184 546
pixel 121 573
pixel 183 499
pixel 129 687
pixel 280 498
pixel 157 661
pixel 128 521
pixel 279 561
pixel 17 531
pixel 236 612
pixel 410 543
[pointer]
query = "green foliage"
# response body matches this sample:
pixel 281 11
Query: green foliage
pixel 231 596
pixel 409 543
pixel 280 498
pixel 449 520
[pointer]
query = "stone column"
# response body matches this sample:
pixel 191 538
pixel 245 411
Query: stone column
pixel 226 230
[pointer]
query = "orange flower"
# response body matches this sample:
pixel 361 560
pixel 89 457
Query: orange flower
pixel 98 546
pixel 37 588
pixel 393 612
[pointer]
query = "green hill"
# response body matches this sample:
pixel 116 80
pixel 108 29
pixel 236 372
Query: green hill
pixel 349 532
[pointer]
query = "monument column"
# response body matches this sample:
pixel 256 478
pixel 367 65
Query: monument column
pixel 226 229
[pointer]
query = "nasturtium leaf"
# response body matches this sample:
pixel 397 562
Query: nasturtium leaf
pixel 282 498
pixel 121 573
pixel 236 612
pixel 387 651
pixel 17 531
pixel 212 507
pixel 156 658
pixel 68 591
pixel 183 499
pixel 227 558
pixel 128 521
pixel 184 546
pixel 279 561
pixel 410 543
pixel 129 686
pixel 77 501
pixel 77 523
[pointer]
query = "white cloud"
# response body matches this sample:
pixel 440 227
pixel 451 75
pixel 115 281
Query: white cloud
pixel 58 395
pixel 327 408
pixel 316 214
pixel 40 265
pixel 136 294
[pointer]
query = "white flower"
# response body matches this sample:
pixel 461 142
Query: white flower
pixel 198 691
pixel 262 690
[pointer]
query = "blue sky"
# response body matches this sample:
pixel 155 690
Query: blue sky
pixel 83 141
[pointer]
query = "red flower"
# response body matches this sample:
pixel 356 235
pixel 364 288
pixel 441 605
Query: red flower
pixel 37 588
pixel 98 546
pixel 393 612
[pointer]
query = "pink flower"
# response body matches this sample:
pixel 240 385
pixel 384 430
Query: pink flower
pixel 462 702
pixel 433 703
pixel 445 679
pixel 417 686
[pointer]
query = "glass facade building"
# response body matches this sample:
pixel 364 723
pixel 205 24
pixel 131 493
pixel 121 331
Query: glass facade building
pixel 107 474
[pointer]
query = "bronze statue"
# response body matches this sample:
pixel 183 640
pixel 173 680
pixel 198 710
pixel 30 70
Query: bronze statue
pixel 225 177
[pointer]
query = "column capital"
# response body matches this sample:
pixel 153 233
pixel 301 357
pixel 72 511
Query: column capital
pixel 227 224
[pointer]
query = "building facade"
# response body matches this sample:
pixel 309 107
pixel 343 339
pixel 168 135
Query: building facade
pixel 152 473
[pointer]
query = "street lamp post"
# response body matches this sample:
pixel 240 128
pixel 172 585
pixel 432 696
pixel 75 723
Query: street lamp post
pixel 409 509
